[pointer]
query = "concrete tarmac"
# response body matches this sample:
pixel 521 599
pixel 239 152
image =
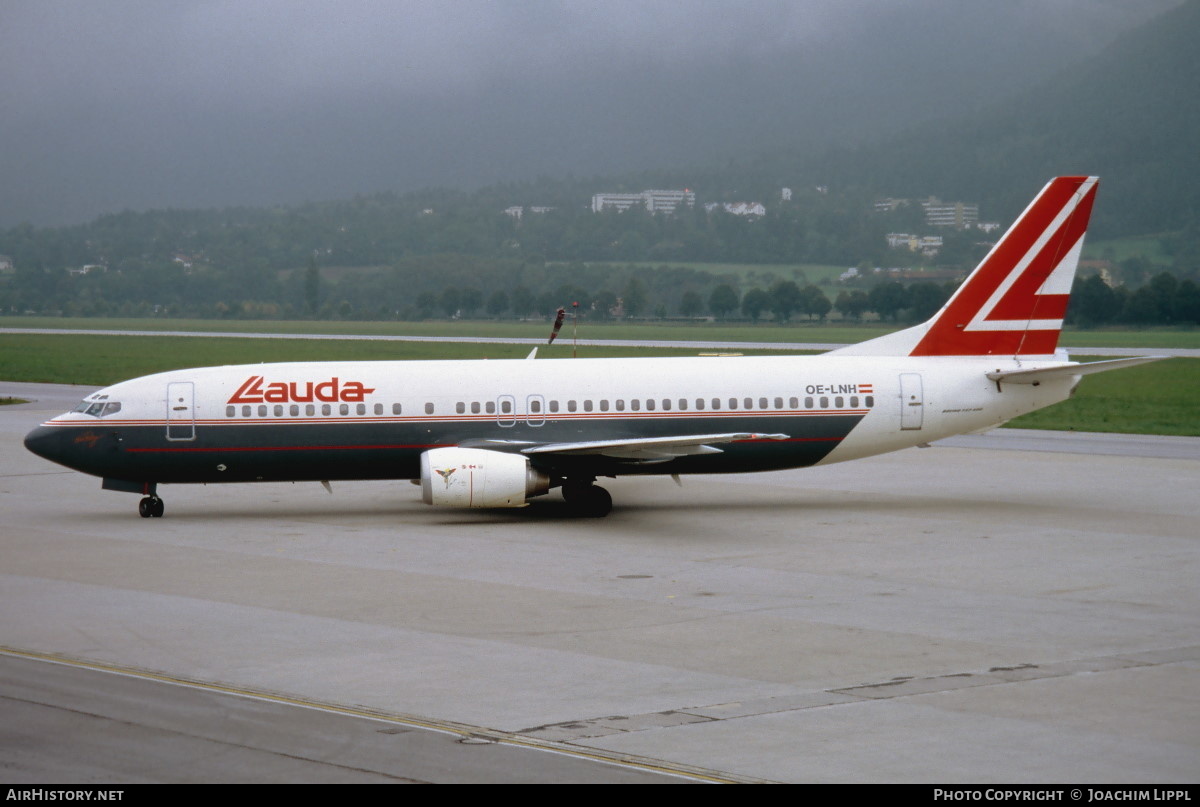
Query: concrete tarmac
pixel 952 614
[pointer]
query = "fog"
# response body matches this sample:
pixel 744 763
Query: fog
pixel 134 104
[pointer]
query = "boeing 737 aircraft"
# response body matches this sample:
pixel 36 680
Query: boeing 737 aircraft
pixel 498 433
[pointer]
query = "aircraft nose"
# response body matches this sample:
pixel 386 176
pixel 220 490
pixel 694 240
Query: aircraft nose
pixel 48 443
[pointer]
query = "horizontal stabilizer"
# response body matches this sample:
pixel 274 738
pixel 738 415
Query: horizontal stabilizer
pixel 1067 370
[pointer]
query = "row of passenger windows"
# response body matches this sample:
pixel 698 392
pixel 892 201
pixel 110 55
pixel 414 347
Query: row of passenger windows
pixel 505 406
pixel 309 410
pixel 663 404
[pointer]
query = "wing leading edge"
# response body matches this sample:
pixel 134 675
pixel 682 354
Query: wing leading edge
pixel 642 449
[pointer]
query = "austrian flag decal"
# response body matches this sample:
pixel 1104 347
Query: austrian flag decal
pixel 255 390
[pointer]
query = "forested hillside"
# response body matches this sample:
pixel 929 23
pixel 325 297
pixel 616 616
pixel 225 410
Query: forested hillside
pixel 1128 114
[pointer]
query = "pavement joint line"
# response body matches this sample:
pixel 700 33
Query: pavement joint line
pixel 603 726
pixel 465 732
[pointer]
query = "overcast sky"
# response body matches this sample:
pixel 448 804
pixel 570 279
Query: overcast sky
pixel 184 103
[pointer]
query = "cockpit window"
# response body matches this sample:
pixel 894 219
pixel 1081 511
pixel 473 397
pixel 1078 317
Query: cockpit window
pixel 98 408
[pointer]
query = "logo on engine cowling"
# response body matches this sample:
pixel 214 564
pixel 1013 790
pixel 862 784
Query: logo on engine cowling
pixel 446 474
pixel 254 390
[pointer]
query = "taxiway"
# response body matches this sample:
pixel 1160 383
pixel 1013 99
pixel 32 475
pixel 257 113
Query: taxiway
pixel 963 613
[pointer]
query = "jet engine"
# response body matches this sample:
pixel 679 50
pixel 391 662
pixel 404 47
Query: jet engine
pixel 474 477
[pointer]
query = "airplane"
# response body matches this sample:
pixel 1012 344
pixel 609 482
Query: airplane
pixel 491 434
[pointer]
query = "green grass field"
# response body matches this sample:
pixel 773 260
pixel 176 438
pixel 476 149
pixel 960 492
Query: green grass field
pixel 1159 398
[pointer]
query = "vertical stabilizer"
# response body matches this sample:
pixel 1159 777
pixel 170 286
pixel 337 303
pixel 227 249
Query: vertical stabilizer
pixel 1014 302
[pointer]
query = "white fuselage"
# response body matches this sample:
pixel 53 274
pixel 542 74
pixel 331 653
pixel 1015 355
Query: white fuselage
pixel 373 419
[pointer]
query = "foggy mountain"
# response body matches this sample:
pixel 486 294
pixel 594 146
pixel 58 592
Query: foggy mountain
pixel 133 104
pixel 1128 113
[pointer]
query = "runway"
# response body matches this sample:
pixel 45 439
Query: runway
pixel 534 342
pixel 974 612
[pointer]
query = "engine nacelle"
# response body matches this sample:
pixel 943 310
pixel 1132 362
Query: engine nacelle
pixel 475 477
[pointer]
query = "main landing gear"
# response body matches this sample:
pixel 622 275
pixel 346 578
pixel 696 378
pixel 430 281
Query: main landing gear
pixel 586 498
pixel 151 507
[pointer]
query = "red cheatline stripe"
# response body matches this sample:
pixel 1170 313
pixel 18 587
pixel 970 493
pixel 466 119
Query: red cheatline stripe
pixel 238 449
pixel 558 416
pixel 199 450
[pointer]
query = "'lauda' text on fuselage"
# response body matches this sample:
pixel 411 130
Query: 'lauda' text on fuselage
pixel 254 390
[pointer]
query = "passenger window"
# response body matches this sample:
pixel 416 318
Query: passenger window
pixel 666 404
pixel 230 411
pixel 554 406
pixel 870 401
pixel 603 404
pixel 326 409
pixel 361 409
pixel 748 403
pixel 779 403
pixel 762 403
pixel 344 409
pixel 295 410
pixel 794 403
pixel 699 403
pixel 262 410
pixel 587 405
pixel 649 404
pixel 620 404
pixel 635 405
pixel 808 403
pixel 310 410
pixel 474 407
pixel 396 409
pixel 245 411
pixel 278 410
pixel 490 407
pixel 506 406
pixel 429 408
pixel 535 406
pixel 839 402
pixel 460 408
pixel 854 402
pixel 572 406
pixel 683 403
pixel 824 402
pixel 716 403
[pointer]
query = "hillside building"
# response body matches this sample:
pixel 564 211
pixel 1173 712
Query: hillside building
pixel 738 208
pixel 659 201
pixel 959 215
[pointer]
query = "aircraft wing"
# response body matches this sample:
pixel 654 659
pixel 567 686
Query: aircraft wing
pixel 640 449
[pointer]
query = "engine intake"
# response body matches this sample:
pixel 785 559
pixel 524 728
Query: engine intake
pixel 475 477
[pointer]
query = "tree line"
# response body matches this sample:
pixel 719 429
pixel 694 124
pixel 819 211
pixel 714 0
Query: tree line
pixel 451 254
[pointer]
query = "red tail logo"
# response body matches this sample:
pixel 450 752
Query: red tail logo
pixel 1014 302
